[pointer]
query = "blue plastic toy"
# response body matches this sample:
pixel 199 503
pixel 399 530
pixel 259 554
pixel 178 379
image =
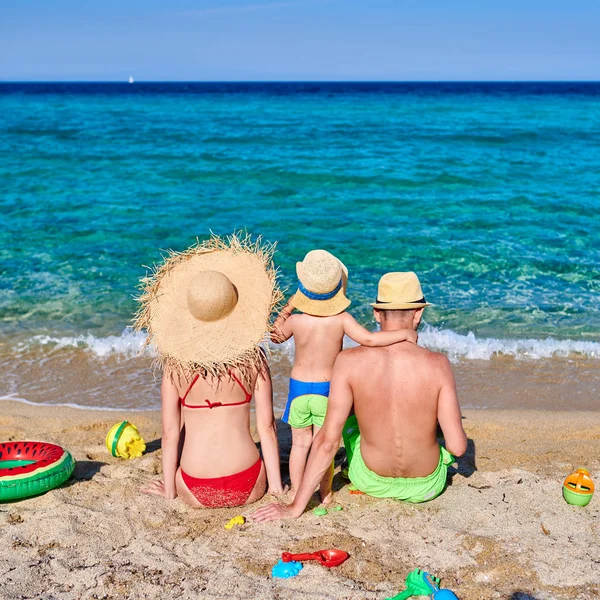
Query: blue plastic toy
pixel 285 570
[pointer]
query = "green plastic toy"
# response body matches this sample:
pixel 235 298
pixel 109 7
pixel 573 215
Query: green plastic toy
pixel 416 585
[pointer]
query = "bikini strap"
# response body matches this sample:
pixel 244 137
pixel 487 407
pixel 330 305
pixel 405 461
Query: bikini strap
pixel 248 396
pixel 182 400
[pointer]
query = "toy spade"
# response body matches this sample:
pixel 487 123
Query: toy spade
pixel 328 558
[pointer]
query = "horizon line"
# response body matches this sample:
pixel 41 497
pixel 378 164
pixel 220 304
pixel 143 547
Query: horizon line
pixel 313 81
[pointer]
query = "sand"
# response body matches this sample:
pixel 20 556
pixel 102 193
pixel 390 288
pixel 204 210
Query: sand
pixel 500 530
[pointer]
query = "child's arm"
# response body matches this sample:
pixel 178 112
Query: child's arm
pixel 171 431
pixel 267 431
pixel 364 337
pixel 282 327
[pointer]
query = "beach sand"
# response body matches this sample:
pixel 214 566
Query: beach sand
pixel 500 530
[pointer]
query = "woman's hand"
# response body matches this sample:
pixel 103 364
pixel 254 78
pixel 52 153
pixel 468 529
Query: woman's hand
pixel 157 488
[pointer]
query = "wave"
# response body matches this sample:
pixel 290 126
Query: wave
pixel 458 346
pixel 455 345
pixel 15 398
pixel 129 344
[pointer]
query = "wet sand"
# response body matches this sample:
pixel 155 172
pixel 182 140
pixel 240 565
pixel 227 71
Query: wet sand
pixel 500 530
pixel 76 376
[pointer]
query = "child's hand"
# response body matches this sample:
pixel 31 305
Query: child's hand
pixel 278 491
pixel 412 336
pixel 157 488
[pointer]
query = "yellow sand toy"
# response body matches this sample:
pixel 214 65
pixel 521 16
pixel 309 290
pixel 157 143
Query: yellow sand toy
pixel 235 521
pixel 124 441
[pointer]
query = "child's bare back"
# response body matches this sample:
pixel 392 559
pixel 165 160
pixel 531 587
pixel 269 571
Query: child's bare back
pixel 318 342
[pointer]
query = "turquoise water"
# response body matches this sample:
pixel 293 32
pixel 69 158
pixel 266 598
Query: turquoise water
pixel 490 193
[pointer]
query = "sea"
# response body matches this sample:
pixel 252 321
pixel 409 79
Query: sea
pixel 490 192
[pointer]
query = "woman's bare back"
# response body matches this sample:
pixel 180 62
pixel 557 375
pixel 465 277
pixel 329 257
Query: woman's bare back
pixel 217 439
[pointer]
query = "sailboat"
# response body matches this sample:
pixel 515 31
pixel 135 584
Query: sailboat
pixel 130 79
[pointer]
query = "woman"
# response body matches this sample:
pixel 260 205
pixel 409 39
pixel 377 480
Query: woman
pixel 206 311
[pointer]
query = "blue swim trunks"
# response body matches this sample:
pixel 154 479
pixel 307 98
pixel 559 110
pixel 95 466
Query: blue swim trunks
pixel 304 388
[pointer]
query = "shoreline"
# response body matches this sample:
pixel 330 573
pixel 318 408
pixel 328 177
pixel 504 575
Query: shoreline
pixel 500 529
pixel 78 378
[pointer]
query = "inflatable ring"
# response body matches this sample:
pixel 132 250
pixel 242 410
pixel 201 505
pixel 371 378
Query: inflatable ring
pixel 32 468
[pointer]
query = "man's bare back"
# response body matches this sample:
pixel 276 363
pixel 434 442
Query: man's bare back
pixel 396 390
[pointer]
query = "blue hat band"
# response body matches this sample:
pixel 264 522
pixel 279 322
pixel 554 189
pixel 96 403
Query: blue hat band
pixel 315 296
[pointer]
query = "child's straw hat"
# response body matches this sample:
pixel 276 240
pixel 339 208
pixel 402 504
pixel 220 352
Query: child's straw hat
pixel 207 309
pixel 322 285
pixel 399 291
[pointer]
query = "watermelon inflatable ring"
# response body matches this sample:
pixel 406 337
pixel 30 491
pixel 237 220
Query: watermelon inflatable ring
pixel 32 468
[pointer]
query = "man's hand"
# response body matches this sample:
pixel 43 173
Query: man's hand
pixel 157 488
pixel 274 512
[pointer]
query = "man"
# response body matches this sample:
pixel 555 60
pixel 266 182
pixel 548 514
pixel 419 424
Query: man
pixel 399 393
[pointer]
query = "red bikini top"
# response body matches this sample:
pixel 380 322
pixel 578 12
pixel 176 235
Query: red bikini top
pixel 210 404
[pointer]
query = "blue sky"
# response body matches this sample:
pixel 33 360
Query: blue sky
pixel 299 40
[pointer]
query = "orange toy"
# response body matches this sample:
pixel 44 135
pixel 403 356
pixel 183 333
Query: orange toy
pixel 578 488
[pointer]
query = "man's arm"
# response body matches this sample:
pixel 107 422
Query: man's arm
pixel 355 331
pixel 282 327
pixel 449 416
pixel 324 446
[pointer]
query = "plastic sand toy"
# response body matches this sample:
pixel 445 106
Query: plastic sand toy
pixel 338 507
pixel 235 521
pixel 421 583
pixel 416 585
pixel 578 488
pixel 328 558
pixel 438 594
pixel 320 511
pixel 285 570
pixel 124 441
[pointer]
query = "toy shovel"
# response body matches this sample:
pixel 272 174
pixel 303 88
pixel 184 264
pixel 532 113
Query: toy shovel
pixel 328 558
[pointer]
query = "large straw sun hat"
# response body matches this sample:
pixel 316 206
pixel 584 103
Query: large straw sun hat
pixel 322 285
pixel 399 291
pixel 207 309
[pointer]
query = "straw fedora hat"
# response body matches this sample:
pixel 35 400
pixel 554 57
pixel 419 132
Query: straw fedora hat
pixel 322 281
pixel 207 309
pixel 399 291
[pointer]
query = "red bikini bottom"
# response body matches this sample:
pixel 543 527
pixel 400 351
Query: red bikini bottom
pixel 219 492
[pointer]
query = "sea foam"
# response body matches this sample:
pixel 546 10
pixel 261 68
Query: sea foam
pixel 129 344
pixel 456 346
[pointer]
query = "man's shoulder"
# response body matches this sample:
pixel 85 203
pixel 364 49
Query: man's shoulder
pixel 349 355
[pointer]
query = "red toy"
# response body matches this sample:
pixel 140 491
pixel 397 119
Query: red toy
pixel 328 558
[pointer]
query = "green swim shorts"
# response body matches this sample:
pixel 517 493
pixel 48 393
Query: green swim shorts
pixel 408 489
pixel 308 410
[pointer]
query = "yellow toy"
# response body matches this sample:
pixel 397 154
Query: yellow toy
pixel 124 441
pixel 235 521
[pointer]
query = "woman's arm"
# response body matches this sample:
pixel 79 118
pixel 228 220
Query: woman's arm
pixel 267 430
pixel 355 331
pixel 282 327
pixel 171 430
